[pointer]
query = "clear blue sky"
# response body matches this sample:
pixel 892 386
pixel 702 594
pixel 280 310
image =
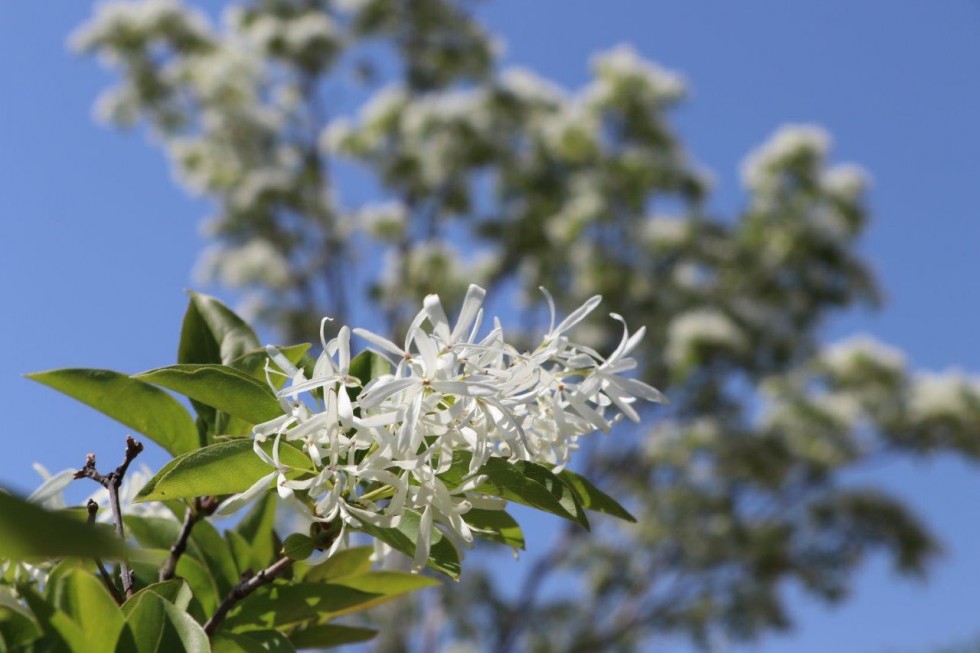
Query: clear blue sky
pixel 97 243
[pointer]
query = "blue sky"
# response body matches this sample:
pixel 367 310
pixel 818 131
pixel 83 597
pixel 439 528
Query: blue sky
pixel 98 243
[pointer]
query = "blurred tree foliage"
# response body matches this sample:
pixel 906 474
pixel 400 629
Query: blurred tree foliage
pixel 502 178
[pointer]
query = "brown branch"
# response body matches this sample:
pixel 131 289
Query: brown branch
pixel 93 508
pixel 248 585
pixel 202 508
pixel 111 483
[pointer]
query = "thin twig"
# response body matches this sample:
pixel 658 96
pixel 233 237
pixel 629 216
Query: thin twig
pixel 202 508
pixel 111 483
pixel 93 508
pixel 248 585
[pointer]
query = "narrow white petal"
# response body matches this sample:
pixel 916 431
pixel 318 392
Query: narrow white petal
pixel 424 542
pixel 467 314
pixel 386 346
pixel 437 317
pixel 577 315
pixel 382 391
pixel 237 501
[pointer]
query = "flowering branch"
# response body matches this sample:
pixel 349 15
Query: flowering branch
pixel 202 508
pixel 248 585
pixel 111 482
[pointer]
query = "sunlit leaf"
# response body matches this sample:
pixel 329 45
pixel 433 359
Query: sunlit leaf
pixel 224 388
pixel 221 468
pixel 135 403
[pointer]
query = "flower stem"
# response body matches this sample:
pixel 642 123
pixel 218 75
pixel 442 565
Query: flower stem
pixel 248 585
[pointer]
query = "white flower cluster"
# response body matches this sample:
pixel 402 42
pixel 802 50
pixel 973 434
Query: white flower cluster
pixel 952 396
pixel 450 391
pixel 701 327
pixel 847 359
pixel 790 142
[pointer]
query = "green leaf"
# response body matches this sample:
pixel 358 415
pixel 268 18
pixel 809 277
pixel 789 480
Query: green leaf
pixel 158 625
pixel 346 562
pixel 152 532
pixel 203 585
pixel 241 551
pixel 386 585
pixel 282 605
pixel 29 532
pixel 498 526
pixel 61 632
pixel 221 468
pixel 224 388
pixel 553 484
pixel 145 622
pixel 330 635
pixel 256 641
pixel 184 631
pixel 139 405
pixel 524 483
pixel 258 529
pixel 213 550
pixel 442 554
pixel 175 590
pixel 592 498
pixel 212 333
pixel 298 547
pixel 85 599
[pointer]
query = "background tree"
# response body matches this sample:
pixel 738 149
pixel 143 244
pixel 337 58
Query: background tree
pixel 501 178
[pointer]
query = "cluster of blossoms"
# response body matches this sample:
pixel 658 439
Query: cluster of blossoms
pixel 450 391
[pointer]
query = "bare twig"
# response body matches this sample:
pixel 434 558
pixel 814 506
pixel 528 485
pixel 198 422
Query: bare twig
pixel 248 585
pixel 202 508
pixel 93 509
pixel 111 483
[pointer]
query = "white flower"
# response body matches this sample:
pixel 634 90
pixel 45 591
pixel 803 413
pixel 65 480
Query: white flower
pixel 449 391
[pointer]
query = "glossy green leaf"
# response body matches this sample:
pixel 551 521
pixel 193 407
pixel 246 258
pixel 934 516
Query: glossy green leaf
pixel 29 532
pixel 346 562
pixel 258 641
pixel 330 635
pixel 592 498
pixel 524 483
pixel 281 605
pixel 213 333
pixel 497 526
pixel 385 585
pixel 220 468
pixel 224 388
pixel 562 493
pixel 442 554
pixel 135 403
